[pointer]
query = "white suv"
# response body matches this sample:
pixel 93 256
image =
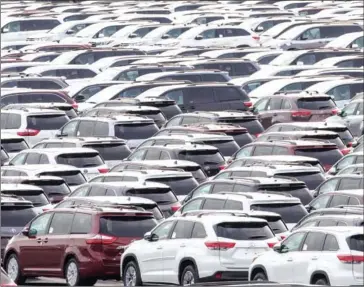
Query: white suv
pixel 187 250
pixel 315 255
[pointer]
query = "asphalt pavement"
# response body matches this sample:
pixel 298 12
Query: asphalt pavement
pixel 43 281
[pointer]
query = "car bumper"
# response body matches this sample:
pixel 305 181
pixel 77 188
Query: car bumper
pixel 226 276
pixel 97 269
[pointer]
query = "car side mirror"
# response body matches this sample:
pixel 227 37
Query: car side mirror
pixel 303 38
pixel 80 99
pixel 308 208
pixel 32 233
pixel 165 36
pixel 25 231
pixel 354 46
pixel 133 35
pixel 70 32
pixel 147 236
pixel 342 114
pixel 5 30
pixel 277 248
pixel 60 134
pixel 101 35
pixel 198 37
pixel 259 29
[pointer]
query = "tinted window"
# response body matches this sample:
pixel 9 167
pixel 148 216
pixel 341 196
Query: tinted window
pixel 277 225
pixel 179 185
pixel 37 197
pixel 233 205
pixel 51 187
pixel 243 230
pixel 356 242
pixel 101 129
pixel 220 187
pixel 72 178
pixel 199 95
pixel 330 243
pixel 111 151
pixel 198 231
pixel 226 147
pixel 124 226
pixel 13 121
pixel 326 156
pixel 244 69
pixel 314 241
pixel 350 183
pixel 60 223
pixel 202 156
pixel 182 229
pixel 13 216
pixel 214 204
pixel 156 194
pixel 81 223
pixel 80 160
pixel 230 94
pixel 315 104
pixel 339 200
pixel 327 222
pixel 135 131
pixel 290 213
pixel 14 145
pixel 312 179
pixel 97 191
pixel 46 122
pixel 263 150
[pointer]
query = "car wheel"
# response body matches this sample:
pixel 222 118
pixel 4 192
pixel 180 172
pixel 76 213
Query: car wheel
pixel 260 277
pixel 189 276
pixel 72 273
pixel 321 281
pixel 13 270
pixel 131 275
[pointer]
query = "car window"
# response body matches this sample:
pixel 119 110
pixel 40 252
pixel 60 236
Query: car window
pixel 310 34
pixel 13 121
pixel 314 241
pixel 347 183
pixel 138 155
pixel 41 223
pixel 186 120
pixel 293 242
pixel 199 95
pixel 321 202
pixel 340 93
pixel 263 150
pixel 214 204
pixel 209 34
pixel 198 231
pixel 82 223
pixel 176 95
pixel 164 155
pixel 339 200
pixel 274 104
pixel 307 59
pixel 329 185
pixel 225 94
pixel 349 110
pixel 261 105
pixel 192 205
pixel 60 223
pixel 346 161
pixel 32 158
pixel 152 154
pixel 70 128
pixel 327 222
pixel 245 152
pixel 82 191
pixel 233 205
pixel 330 243
pixel 204 189
pixel 164 230
pixel 353 201
pixel 19 159
pixel 97 191
pixel 220 187
pixel 182 229
pixel 279 150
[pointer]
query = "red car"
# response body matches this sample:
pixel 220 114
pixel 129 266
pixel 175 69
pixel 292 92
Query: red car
pixel 80 244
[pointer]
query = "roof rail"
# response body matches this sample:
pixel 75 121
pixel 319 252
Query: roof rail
pixel 8 195
pixel 244 179
pixel 284 177
pixel 275 193
pixel 236 193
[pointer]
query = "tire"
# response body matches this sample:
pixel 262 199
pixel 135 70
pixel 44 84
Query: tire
pixel 131 275
pixel 72 273
pixel 189 276
pixel 13 269
pixel 321 281
pixel 260 277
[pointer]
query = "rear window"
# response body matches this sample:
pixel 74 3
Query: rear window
pixel 153 208
pixel 170 111
pixel 37 197
pixel 115 151
pixel 226 147
pixel 290 212
pixel 51 187
pixel 326 156
pixel 74 177
pixel 157 116
pixel 202 156
pixel 124 226
pixel 159 195
pixel 329 138
pixel 12 216
pixel 345 135
pixel 296 190
pixel 14 145
pixel 253 126
pixel 277 225
pixel 3 155
pixel 243 230
pixel 81 160
pixel 197 173
pixel 316 103
pixel 46 122
pixel 179 185
pixel 312 179
pixel 356 242
pixel 135 131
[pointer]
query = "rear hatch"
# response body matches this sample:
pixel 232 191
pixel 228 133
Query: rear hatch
pixel 164 197
pixel 240 135
pixel 314 108
pixel 226 147
pixel 181 185
pixel 251 123
pixel 55 189
pixel 290 212
pixel 296 189
pixel 119 230
pixel 73 178
pixel 135 132
pixel 169 108
pixel 210 160
pixel 356 258
pixel 156 115
pixel 90 162
pixel 35 196
pixel 343 132
pixel 243 241
pixel 197 172
pixel 331 138
pixel 112 152
pixel 312 178
pixel 275 223
pixel 328 155
pixel 14 145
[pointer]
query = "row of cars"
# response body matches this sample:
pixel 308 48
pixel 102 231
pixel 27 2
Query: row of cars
pixel 166 143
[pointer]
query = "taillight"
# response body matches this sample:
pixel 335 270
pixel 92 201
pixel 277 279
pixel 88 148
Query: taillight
pixel 101 239
pixel 271 244
pixel 327 167
pixel 350 144
pixel 256 37
pixel 257 135
pixel 222 167
pixel 103 170
pixel 351 258
pixel 45 209
pixel 8 284
pixel 300 114
pixel 345 151
pixel 175 207
pixel 335 111
pixel 282 237
pixel 248 104
pixel 27 133
pixel 216 245
pixel 75 105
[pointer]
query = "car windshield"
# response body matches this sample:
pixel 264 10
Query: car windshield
pixel 290 212
pixel 135 131
pixel 243 230
pixel 126 226
pixel 80 160
pixel 179 185
pixel 159 195
pixel 14 216
pixel 111 151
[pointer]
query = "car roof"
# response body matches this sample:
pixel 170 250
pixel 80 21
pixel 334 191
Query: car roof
pixel 66 150
pixel 252 196
pixel 10 179
pixel 85 140
pixel 288 158
pixel 276 168
pixel 35 168
pixel 164 162
pixel 130 184
pixel 18 186
pixel 119 119
pixel 179 147
pixel 114 199
pixel 339 230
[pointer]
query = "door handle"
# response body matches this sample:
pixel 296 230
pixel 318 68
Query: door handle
pixel 290 259
pixel 39 240
pixel 159 247
pixel 182 245
pixel 45 240
pixel 274 115
pixel 314 258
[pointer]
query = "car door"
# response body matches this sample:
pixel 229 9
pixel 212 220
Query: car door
pixel 179 97
pixel 69 129
pixel 261 150
pixel 260 109
pixel 306 260
pixel 282 262
pixel 31 247
pixel 272 114
pixel 309 39
pixel 56 241
pixel 173 249
pixel 151 259
pixel 209 38
pixel 200 99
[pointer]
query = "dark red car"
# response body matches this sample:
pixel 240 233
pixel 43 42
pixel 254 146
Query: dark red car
pixel 80 244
